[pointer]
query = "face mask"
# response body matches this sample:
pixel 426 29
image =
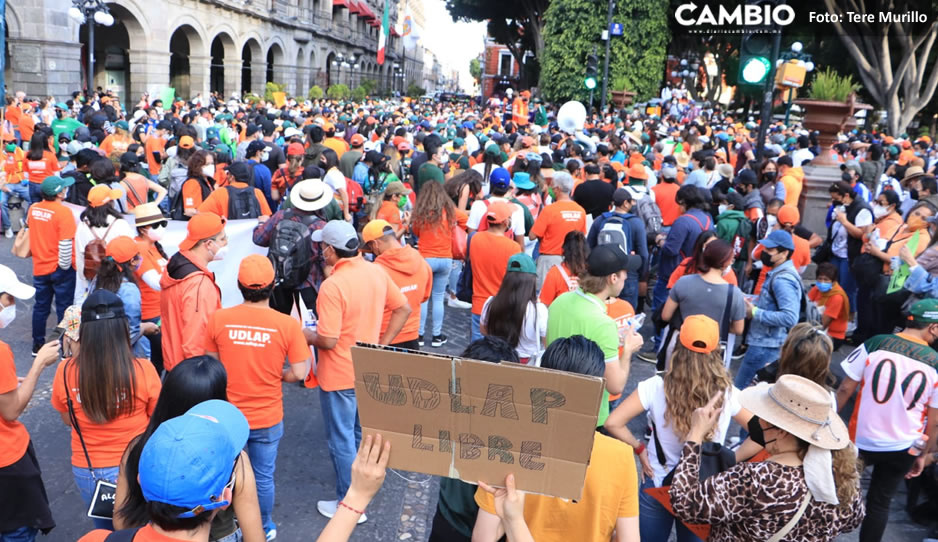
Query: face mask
pixel 846 177
pixel 155 234
pixel 766 259
pixel 220 255
pixel 769 175
pixel 208 171
pixel 879 211
pixel 265 156
pixel 11 147
pixel 721 209
pixel 913 194
pixel 7 315
pixel 771 220
pixel 824 286
pixel 756 432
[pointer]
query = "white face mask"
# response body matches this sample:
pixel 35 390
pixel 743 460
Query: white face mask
pixel 727 269
pixel 208 170
pixel 771 220
pixel 721 209
pixel 220 255
pixel 265 156
pixel 7 315
pixel 879 211
pixel 155 234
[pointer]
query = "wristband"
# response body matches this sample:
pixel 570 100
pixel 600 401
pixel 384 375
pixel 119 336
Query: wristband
pixel 640 449
pixel 359 512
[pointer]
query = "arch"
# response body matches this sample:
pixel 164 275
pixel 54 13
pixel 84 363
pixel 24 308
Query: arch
pixel 250 52
pixel 14 26
pixel 133 18
pixel 222 47
pixel 194 32
pixel 275 58
pixel 302 73
pixel 112 47
pixel 184 43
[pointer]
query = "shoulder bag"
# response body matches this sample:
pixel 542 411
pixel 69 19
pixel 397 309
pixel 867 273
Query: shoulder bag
pixel 793 521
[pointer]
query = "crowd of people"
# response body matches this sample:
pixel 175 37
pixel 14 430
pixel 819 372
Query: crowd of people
pixel 565 245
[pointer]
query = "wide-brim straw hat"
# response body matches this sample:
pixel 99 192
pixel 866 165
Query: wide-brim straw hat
pixel 311 195
pixel 799 406
pixel 912 172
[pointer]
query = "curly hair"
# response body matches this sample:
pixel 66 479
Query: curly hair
pixel 847 470
pixel 807 352
pixel 575 252
pixel 689 384
pixel 433 205
pixel 196 161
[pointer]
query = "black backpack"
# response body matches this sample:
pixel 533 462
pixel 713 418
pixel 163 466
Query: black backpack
pixel 290 251
pixel 242 203
pixel 177 209
pixel 464 285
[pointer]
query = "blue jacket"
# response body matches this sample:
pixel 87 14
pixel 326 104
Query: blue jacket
pixel 921 282
pixel 360 176
pixel 777 308
pixel 262 182
pixel 680 241
pixel 636 234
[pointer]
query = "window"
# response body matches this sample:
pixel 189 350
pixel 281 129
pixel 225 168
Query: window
pixel 504 64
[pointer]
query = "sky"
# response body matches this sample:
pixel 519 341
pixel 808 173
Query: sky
pixel 454 43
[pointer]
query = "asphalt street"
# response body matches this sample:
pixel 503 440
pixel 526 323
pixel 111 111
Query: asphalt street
pixel 402 509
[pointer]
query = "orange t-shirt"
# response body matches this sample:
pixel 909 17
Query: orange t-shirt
pixel 553 224
pixel 800 258
pixel 489 254
pixel 152 260
pixel 106 441
pixel 834 307
pixel 154 144
pixel 619 310
pixel 27 126
pixel 49 222
pixel 13 165
pixel 681 270
pixel 192 195
pixel 391 212
pixel 146 534
pixel 337 144
pixel 558 281
pixel 437 241
pixel 113 143
pixel 217 201
pixel 38 170
pixel 252 343
pixel 666 199
pixel 351 305
pixel 412 274
pixel 14 439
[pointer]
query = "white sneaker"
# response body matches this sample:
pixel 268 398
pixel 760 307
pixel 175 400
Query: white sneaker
pixel 457 304
pixel 271 535
pixel 851 327
pixel 328 509
pixel 9 233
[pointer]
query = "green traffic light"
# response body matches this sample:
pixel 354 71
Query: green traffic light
pixel 590 82
pixel 755 70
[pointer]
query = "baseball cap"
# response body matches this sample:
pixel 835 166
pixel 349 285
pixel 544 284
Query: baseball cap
pixel 202 226
pixel 53 185
pixel 788 214
pixel 746 176
pixel 373 156
pixel 778 239
pixel 357 140
pixel 500 178
pixel 523 181
pixel 925 310
pixel 11 284
pixel 403 146
pixel 103 194
pixel 186 142
pixel 620 196
pixel 608 259
pixel 295 149
pixel 74 147
pixel 376 229
pixel 637 171
pixel 700 333
pixel 255 272
pixel 499 212
pixel 338 234
pixel 101 304
pixel 254 147
pixel 188 460
pixel 291 132
pixel 122 249
pixel 397 188
pixel 668 172
pixel 521 263
pixel 852 165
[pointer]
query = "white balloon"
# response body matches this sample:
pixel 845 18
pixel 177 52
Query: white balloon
pixel 572 117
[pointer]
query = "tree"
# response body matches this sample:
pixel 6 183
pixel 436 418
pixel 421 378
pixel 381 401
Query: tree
pixel 358 94
pixel 338 92
pixel 369 85
pixel 475 70
pixel 893 59
pixel 270 88
pixel 315 93
pixel 636 60
pixel 414 91
pixel 516 24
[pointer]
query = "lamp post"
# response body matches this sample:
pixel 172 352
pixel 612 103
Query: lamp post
pixel 801 59
pixel 90 11
pixel 337 62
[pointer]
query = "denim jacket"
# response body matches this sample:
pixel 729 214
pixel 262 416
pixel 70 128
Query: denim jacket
pixel 130 295
pixel 777 308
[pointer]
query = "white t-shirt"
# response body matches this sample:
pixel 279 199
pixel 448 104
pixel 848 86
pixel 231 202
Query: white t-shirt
pixel 800 156
pixel 335 179
pixel 533 330
pixel 651 394
pixel 480 208
pixel 839 245
pixel 898 384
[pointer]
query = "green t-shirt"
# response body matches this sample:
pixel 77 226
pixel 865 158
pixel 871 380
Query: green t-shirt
pixel 457 505
pixel 429 172
pixel 580 313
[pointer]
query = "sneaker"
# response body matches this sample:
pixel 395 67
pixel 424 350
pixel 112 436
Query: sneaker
pixel 648 354
pixel 36 348
pixel 9 233
pixel 438 340
pixel 271 534
pixel 740 351
pixel 328 509
pixel 851 327
pixel 454 303
pixel 420 341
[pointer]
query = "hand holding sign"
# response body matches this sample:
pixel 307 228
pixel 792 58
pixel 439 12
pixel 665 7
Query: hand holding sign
pixel 369 469
pixel 509 507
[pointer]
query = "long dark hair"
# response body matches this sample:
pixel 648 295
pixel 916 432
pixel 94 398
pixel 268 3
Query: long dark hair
pixel 112 273
pixel 106 371
pixel 697 261
pixel 456 183
pixel 433 207
pixel 575 252
pixel 38 145
pixel 329 159
pixel 96 217
pixel 507 309
pixel 191 382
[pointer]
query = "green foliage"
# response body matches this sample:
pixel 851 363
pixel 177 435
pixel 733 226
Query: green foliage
pixel 252 98
pixel 358 94
pixel 338 92
pixel 475 69
pixel 369 85
pixel 636 61
pixel 315 93
pixel 414 91
pixel 830 86
pixel 270 88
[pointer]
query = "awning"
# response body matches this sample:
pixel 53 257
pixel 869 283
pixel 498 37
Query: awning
pixel 394 32
pixel 353 7
pixel 374 23
pixel 366 11
pixel 340 3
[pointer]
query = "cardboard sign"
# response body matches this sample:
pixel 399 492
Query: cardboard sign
pixel 280 99
pixel 475 420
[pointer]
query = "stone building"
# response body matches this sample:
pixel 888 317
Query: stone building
pixel 199 46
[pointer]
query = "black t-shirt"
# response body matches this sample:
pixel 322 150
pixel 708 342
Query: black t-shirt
pixel 275 158
pixel 594 196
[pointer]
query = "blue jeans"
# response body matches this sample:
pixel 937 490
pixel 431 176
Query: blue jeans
pixel 475 334
pixel 17 189
pixel 846 280
pixel 441 268
pixel 343 434
pixel 35 194
pixel 59 284
pixel 659 296
pixel 756 358
pixel 262 449
pixel 86 483
pixel 655 522
pixel 23 534
pixel 454 275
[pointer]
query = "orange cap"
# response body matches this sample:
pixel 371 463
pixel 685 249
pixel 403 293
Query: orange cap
pixel 256 272
pixel 102 194
pixel 357 140
pixel 122 249
pixel 499 212
pixel 186 142
pixel 700 333
pixel 637 171
pixel 295 149
pixel 788 214
pixel 376 229
pixel 202 226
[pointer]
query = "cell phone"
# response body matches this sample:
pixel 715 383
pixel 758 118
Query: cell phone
pixel 56 334
pixel 156 156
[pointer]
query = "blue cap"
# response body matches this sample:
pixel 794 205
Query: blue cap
pixel 778 239
pixel 188 460
pixel 500 177
pixel 523 181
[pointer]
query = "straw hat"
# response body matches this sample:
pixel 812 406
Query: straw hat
pixel 801 407
pixel 912 172
pixel 311 195
pixel 683 159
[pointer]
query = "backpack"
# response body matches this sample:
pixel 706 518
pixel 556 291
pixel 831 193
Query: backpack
pixel 178 175
pixel 649 213
pixel 613 233
pixel 176 207
pixel 125 535
pixel 290 252
pixel 356 196
pixel 242 203
pixel 95 251
pixel 808 312
pixel 464 286
pixel 484 223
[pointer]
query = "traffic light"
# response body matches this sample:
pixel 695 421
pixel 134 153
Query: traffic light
pixel 755 63
pixel 592 71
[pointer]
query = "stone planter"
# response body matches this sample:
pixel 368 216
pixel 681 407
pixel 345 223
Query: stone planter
pixel 829 118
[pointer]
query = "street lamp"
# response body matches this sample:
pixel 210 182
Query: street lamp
pixel 801 59
pixel 90 11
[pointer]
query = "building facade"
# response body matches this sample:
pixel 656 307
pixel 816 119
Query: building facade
pixel 500 70
pixel 200 46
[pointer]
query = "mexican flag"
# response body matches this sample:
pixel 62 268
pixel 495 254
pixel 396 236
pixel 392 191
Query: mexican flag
pixel 383 36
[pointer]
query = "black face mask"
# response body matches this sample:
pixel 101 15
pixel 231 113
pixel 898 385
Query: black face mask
pixel 769 175
pixel 766 259
pixel 846 177
pixel 756 434
pixel 913 193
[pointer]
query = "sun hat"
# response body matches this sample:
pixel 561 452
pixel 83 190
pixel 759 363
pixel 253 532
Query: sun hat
pixel 605 260
pixel 202 226
pixel 912 172
pixel 255 272
pixel 188 460
pixel 925 311
pixel 11 284
pixel 311 195
pixel 397 188
pixel 376 229
pixel 521 263
pixel 788 214
pixel 700 333
pixel 122 249
pixel 148 213
pixel 499 212
pixel 103 194
pixel 53 185
pixel 338 234
pixel 522 181
pixel 101 304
